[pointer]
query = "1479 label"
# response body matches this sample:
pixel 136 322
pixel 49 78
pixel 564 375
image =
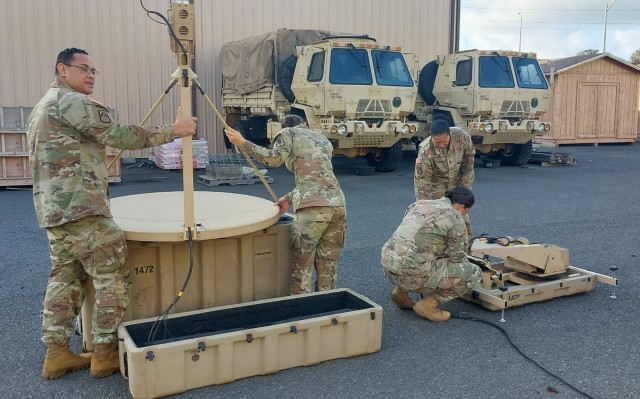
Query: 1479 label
pixel 510 297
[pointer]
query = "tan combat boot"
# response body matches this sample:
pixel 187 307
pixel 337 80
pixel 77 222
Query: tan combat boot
pixel 59 359
pixel 105 360
pixel 428 308
pixel 402 299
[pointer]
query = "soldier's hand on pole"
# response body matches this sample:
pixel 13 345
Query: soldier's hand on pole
pixel 184 125
pixel 235 137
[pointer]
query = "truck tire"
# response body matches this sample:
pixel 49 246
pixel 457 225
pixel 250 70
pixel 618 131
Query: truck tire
pixel 391 158
pixel 285 77
pixel 426 81
pixel 518 156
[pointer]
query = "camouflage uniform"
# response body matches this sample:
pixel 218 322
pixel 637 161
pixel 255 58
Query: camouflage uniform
pixel 320 221
pixel 439 170
pixel 426 253
pixel 68 133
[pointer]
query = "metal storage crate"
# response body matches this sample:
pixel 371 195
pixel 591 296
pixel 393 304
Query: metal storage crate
pixel 233 159
pixel 224 172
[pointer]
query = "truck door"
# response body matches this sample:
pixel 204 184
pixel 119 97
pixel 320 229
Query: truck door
pixel 462 85
pixel 310 86
pixel 411 60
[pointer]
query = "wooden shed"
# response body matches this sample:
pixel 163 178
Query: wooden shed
pixel 594 99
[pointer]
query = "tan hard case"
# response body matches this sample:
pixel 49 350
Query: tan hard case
pixel 216 346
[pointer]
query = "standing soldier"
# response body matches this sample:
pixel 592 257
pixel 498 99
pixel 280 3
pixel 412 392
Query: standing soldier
pixel 68 132
pixel 318 231
pixel 445 160
pixel 426 254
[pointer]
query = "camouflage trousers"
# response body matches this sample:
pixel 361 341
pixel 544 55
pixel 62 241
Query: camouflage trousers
pixel 443 279
pixel 94 246
pixel 317 238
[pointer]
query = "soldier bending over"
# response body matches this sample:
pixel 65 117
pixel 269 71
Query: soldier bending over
pixel 320 222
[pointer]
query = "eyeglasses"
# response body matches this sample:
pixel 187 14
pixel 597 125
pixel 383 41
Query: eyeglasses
pixel 86 71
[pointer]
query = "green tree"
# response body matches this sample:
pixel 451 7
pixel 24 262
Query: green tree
pixel 635 57
pixel 587 52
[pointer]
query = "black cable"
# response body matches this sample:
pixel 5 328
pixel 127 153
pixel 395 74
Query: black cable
pixel 503 240
pixel 164 22
pixel 162 319
pixel 541 367
pixel 149 14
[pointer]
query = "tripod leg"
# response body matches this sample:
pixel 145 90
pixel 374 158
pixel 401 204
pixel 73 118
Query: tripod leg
pixel 224 123
pixel 148 115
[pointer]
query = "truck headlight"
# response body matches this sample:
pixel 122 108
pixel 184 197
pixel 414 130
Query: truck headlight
pixel 405 129
pixel 342 130
pixel 541 128
pixel 488 128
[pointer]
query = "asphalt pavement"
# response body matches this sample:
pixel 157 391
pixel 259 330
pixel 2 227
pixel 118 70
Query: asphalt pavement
pixel 587 340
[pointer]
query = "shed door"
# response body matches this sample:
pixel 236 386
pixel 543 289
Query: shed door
pixel 597 109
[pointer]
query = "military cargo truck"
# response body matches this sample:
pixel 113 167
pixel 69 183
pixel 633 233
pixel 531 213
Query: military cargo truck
pixel 356 92
pixel 498 96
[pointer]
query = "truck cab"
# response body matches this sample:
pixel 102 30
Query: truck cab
pixel 358 93
pixel 497 95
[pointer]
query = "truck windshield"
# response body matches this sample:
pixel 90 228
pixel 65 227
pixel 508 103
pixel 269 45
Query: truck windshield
pixel 495 71
pixel 390 68
pixel 350 66
pixel 528 73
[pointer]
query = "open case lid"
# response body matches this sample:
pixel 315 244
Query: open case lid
pixel 160 216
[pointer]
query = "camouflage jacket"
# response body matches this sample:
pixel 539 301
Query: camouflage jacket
pixel 438 171
pixel 68 133
pixel 307 155
pixel 429 229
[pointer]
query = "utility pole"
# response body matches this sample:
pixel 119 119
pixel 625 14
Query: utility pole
pixel 520 41
pixel 607 6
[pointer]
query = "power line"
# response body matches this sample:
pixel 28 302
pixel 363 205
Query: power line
pixel 516 28
pixel 551 9
pixel 548 22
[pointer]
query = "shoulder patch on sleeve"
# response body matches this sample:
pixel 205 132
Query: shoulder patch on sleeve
pixel 104 116
pixel 99 114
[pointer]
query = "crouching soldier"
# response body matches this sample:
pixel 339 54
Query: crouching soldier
pixel 426 254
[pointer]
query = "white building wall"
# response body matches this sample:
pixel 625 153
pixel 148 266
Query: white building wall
pixel 132 52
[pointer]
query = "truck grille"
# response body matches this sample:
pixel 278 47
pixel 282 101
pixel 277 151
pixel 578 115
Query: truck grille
pixel 373 108
pixel 514 108
pixel 368 141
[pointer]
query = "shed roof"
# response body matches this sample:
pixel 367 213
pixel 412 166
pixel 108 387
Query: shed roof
pixel 561 65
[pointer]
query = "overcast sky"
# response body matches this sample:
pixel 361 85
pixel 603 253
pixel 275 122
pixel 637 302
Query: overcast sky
pixel 551 28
